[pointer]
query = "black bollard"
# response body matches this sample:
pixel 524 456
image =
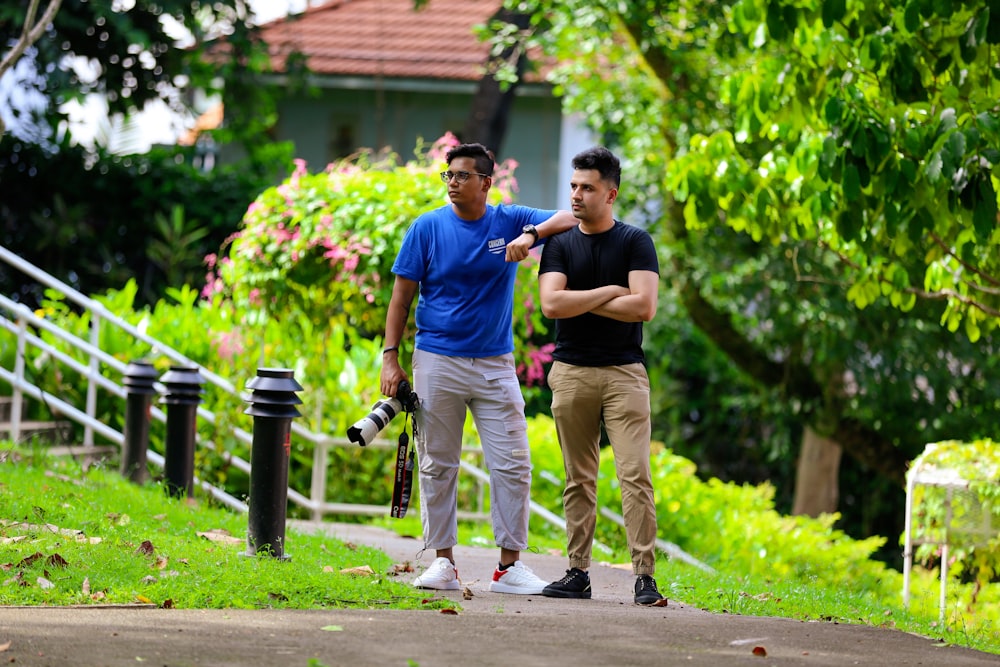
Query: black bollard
pixel 138 381
pixel 182 396
pixel 272 405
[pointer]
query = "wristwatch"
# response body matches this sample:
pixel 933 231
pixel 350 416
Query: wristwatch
pixel 530 229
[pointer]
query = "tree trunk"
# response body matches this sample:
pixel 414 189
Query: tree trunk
pixel 816 477
pixel 491 106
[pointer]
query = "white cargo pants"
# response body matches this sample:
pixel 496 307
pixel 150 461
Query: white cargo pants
pixel 489 389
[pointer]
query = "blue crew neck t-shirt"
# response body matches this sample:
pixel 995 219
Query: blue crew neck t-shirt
pixel 466 293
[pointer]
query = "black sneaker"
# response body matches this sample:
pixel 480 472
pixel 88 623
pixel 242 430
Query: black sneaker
pixel 576 584
pixel 645 590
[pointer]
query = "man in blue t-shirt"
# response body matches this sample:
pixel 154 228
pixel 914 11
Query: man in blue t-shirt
pixel 463 258
pixel 599 282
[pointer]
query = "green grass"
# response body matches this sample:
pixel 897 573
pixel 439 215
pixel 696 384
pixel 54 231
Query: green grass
pixel 69 537
pixel 75 537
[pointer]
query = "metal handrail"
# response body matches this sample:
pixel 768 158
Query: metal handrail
pixel 315 502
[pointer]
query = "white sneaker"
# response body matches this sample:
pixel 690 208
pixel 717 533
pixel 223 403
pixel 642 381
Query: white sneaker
pixel 517 579
pixel 441 575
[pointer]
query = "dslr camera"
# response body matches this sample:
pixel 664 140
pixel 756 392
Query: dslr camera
pixel 365 429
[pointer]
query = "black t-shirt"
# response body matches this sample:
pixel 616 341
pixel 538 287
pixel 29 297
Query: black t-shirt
pixel 589 261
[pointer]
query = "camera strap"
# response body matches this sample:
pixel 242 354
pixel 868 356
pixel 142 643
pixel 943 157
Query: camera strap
pixel 404 474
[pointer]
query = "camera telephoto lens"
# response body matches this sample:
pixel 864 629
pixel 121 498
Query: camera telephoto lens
pixel 367 428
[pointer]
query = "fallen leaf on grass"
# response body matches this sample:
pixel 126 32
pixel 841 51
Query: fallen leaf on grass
pixel 221 536
pixel 362 571
pixel 44 583
pixel 63 478
pixel 56 560
pixel 402 568
pixel 28 560
pixel 17 579
pixel 146 548
pixel 18 526
pixel 85 588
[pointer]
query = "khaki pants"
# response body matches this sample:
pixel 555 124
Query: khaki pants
pixel 583 397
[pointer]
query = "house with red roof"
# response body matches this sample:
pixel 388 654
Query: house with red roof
pixel 383 74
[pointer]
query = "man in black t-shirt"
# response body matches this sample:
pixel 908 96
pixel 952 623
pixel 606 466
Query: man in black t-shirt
pixel 599 282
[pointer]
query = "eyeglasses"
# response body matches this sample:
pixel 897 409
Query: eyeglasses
pixel 460 176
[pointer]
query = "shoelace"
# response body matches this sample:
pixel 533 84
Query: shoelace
pixel 647 583
pixel 570 577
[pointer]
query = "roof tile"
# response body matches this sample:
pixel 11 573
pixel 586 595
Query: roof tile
pixel 385 38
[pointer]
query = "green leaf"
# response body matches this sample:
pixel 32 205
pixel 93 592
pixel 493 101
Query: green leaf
pixel 852 182
pixel 848 225
pixel 833 11
pixel 911 16
pixel 948 121
pixel 933 168
pixel 833 110
pixel 972 328
pixel 776 22
pixel 916 227
pixel 942 64
pixel 876 48
pixel 984 215
pixel 943 8
pixel 956 146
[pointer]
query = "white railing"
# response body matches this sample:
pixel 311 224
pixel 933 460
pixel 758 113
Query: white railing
pixel 17 322
pixel 19 317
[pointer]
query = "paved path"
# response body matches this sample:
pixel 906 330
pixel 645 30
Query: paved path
pixel 492 630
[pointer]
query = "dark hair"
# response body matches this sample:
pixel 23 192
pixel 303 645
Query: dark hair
pixel 603 161
pixel 483 156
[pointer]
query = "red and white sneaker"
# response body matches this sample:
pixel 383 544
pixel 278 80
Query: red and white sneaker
pixel 517 579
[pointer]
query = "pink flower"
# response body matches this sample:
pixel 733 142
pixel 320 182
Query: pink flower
pixel 212 286
pixel 227 345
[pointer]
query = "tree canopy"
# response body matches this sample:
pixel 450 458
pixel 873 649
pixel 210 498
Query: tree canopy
pixel 129 55
pixel 868 132
pixel 821 180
